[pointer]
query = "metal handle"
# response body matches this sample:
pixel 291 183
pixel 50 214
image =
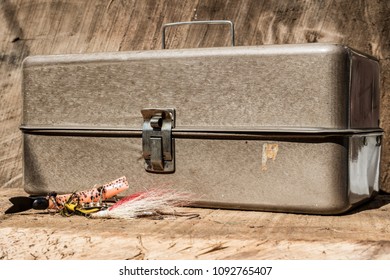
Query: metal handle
pixel 199 22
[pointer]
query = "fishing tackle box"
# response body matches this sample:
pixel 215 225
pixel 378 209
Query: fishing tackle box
pixel 292 128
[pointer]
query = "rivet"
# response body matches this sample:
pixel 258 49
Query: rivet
pixel 156 122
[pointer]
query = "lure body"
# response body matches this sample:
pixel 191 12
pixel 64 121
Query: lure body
pixel 96 194
pixel 55 201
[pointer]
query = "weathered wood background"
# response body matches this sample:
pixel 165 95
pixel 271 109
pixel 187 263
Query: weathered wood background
pixel 58 27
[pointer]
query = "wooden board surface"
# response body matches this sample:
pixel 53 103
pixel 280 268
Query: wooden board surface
pixel 57 27
pixel 216 234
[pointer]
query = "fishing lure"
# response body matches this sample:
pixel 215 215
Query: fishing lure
pixel 56 202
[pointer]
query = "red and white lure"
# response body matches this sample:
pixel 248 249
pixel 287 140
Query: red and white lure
pixel 159 202
pixel 152 202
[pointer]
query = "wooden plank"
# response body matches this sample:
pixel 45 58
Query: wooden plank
pixel 217 234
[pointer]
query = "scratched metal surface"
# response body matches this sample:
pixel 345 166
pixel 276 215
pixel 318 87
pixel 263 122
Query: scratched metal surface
pixel 294 86
pixel 275 86
pixel 305 177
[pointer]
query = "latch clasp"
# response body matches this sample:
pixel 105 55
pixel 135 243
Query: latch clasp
pixel 157 143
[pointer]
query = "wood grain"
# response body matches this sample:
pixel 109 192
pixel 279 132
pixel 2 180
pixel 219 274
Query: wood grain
pixel 57 27
pixel 362 234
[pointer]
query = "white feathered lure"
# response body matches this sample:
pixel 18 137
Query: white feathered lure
pixel 153 202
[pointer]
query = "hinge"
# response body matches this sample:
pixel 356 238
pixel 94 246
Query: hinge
pixel 157 143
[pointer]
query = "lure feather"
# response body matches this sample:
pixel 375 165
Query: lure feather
pixel 148 203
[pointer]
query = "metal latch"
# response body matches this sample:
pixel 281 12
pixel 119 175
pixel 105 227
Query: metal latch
pixel 157 143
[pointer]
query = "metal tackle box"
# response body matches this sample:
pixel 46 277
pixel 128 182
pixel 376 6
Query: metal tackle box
pixel 291 128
